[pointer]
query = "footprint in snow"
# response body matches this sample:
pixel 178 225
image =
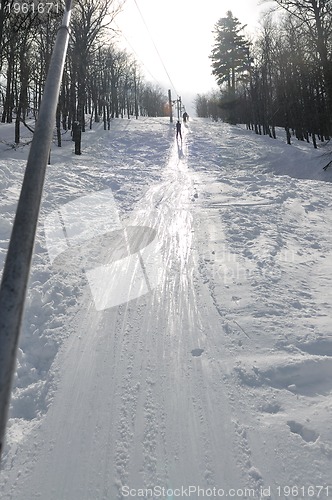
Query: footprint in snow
pixel 306 434
pixel 271 407
pixel 197 352
pixel 318 347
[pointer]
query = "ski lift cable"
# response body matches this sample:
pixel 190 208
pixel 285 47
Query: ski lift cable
pixel 156 48
pixel 138 57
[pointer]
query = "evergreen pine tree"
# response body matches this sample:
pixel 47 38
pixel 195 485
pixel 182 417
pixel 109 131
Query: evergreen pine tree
pixel 230 52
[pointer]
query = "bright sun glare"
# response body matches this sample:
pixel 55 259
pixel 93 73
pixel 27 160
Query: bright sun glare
pixel 181 32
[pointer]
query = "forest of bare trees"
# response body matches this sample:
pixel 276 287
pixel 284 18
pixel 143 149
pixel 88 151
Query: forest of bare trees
pixel 285 76
pixel 100 80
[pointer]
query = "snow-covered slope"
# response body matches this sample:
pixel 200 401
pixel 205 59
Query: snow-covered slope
pixel 177 336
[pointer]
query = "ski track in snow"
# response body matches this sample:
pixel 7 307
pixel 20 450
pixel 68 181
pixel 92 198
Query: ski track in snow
pixel 221 376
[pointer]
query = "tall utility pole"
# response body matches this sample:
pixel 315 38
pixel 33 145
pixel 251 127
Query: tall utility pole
pixel 17 267
pixel 170 105
pixel 179 106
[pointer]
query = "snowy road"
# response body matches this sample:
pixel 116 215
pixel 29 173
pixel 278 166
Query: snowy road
pixel 220 376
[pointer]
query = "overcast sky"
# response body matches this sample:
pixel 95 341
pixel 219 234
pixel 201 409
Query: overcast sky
pixel 182 33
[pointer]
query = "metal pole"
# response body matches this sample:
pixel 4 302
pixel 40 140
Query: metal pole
pixel 17 267
pixel 170 106
pixel 179 107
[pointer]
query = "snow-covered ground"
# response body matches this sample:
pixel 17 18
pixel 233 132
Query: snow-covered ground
pixel 177 338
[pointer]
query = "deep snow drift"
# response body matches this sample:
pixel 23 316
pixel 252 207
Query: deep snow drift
pixel 177 338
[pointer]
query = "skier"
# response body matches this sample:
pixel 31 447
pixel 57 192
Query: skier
pixel 178 130
pixel 77 135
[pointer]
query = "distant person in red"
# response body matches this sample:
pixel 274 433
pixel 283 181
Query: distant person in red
pixel 178 130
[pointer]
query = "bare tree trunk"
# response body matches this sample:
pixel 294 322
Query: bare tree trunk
pixel 58 125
